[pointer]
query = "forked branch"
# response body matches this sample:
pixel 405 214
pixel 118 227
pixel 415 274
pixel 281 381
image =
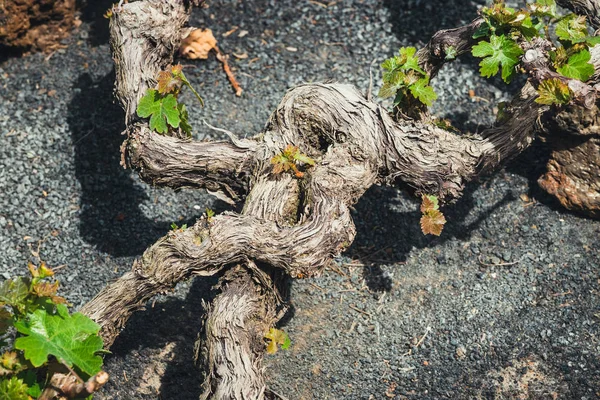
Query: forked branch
pixel 294 226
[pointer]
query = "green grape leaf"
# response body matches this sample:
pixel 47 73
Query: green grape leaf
pixel 160 109
pixel 553 91
pixel 13 389
pixel 395 77
pixel 450 53
pixel 390 64
pixel 287 342
pixel 578 66
pixel 14 291
pixel 72 339
pixel 400 95
pixel 482 31
pixel 527 29
pixel 277 337
pixel 498 14
pixel 422 91
pixel 572 28
pixel 500 50
pixel 410 61
pixel 183 115
pixel 30 379
pixel 592 40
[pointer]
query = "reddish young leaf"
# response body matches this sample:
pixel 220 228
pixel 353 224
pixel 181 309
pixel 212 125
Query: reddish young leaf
pixel 176 69
pixel 432 222
pixel 168 82
pixel 46 289
pixel 429 203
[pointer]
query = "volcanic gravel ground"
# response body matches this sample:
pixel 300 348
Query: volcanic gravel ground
pixel 503 305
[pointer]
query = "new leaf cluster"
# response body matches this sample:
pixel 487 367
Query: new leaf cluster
pixel 432 220
pixel 289 160
pixel 503 30
pixel 277 337
pixel 404 79
pixel 161 105
pixel 37 331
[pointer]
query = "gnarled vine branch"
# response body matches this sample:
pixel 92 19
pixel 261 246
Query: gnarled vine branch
pixel 288 225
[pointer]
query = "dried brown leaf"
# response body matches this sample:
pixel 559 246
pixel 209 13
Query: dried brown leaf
pixel 198 44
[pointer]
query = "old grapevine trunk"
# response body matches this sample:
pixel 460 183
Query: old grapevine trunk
pixel 288 226
pixel 573 170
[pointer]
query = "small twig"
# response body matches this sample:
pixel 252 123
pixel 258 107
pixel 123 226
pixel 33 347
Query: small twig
pixel 420 342
pixel 368 258
pixel 502 264
pixel 370 90
pixel 317 3
pixel 75 374
pixel 353 264
pixel 316 286
pixel 338 271
pixel 360 311
pixel 234 83
pixel 277 395
pixel 214 128
pixel 407 369
pixel 562 294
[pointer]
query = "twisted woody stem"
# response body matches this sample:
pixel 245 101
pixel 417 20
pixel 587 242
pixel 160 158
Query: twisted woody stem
pixel 288 226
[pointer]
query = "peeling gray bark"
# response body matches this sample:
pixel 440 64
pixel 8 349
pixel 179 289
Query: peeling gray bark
pixel 288 226
pixel 230 347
